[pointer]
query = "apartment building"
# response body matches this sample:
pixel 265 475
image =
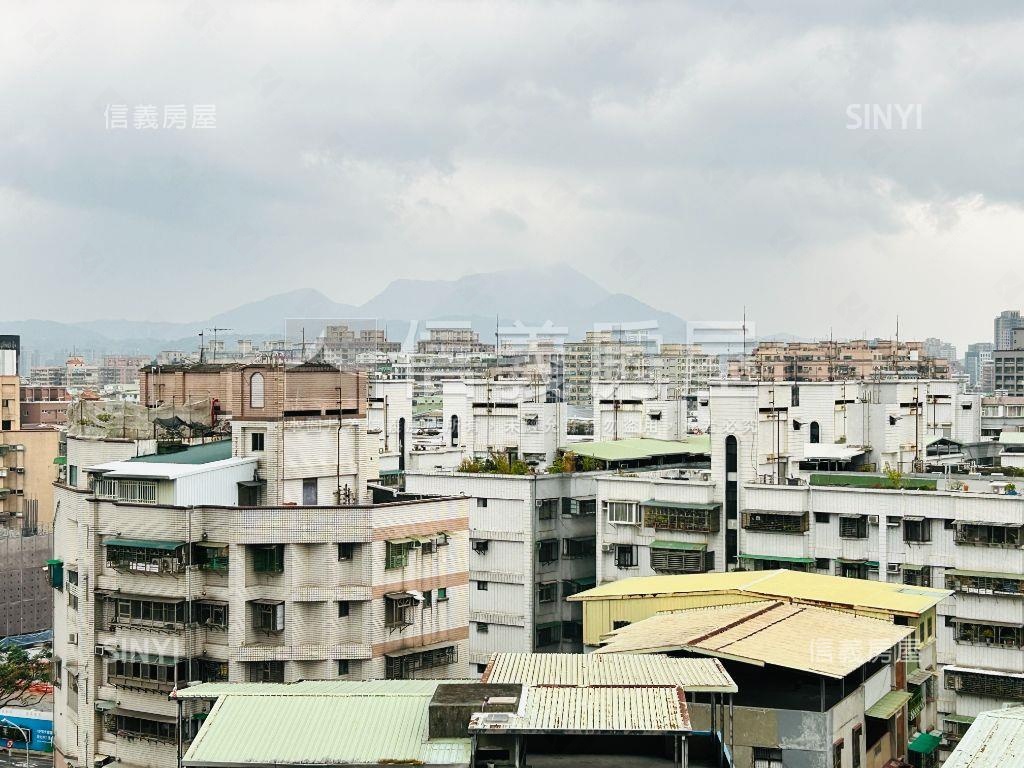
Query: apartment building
pixel 688 366
pixel 451 338
pixel 1006 322
pixel 44 405
pixel 839 361
pixel 1008 366
pixel 1001 413
pixel 166 572
pixel 503 416
pixel 976 357
pixel 345 347
pixel 532 545
pixel 603 355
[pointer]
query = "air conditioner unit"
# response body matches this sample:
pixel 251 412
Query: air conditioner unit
pixel 99 650
pixel 539 503
pixel 167 565
pixel 607 547
pixel 893 568
pixel 873 519
pixel 73 638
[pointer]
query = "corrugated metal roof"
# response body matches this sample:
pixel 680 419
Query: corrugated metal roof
pixel 582 670
pixel 640 448
pixel 613 709
pixel 1011 438
pixel 321 730
pixel 830 643
pixel 888 705
pixel 793 585
pixel 218 450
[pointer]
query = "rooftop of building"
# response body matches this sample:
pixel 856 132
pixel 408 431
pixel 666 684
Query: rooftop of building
pixel 802 637
pixel 588 670
pixel 203 453
pixel 793 586
pixel 196 459
pixel 994 740
pixel 321 723
pixel 638 448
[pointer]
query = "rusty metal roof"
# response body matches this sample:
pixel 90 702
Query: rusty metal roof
pixel 583 670
pixel 995 740
pixel 569 709
pixel 804 637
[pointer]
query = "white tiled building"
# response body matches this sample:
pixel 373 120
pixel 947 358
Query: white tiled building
pixel 626 409
pixel 532 545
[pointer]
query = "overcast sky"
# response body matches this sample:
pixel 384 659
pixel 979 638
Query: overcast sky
pixel 698 156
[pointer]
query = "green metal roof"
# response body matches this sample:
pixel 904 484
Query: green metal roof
pixel 641 448
pixel 958 719
pixel 194 454
pixel 681 504
pixel 924 743
pixel 888 705
pixel 167 546
pixel 312 729
pixel 778 558
pixel 985 574
pixel 686 545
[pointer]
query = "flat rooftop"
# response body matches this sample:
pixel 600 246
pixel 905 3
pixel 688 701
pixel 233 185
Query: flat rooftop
pixel 637 448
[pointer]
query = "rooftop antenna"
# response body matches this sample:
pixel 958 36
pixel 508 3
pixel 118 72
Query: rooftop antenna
pixel 743 351
pixel 215 330
pixel 202 347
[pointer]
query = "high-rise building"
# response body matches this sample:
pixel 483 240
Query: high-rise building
pixel 1008 365
pixel 977 355
pixel 1005 323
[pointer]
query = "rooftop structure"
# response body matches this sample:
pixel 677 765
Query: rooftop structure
pixel 994 740
pixel 641 452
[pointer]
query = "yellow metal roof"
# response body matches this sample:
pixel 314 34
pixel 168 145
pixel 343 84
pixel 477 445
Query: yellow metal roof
pixel 795 636
pixel 795 586
pixel 583 670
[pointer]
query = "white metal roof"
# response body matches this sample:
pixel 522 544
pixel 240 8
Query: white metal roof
pixel 994 740
pixel 833 451
pixel 583 670
pixel 158 471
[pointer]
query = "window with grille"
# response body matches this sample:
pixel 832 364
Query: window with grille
pixel 989 535
pixel 268 558
pixel 855 527
pixel 154 613
pixel 990 686
pixel 396 554
pixel 677 560
pixel 625 556
pixel 405 667
pixel 920 577
pixel 676 519
pixel 767 757
pixel 573 549
pixel 268 617
pixel 210 670
pixel 144 673
pixel 213 615
pixel 136 491
pixel 622 512
pixel 153 559
pixel 986 585
pixel 547 592
pixel 141 728
pixel 771 522
pixel 346 550
pixel 266 672
pixel 990 634
pixel 547 508
pixel 398 612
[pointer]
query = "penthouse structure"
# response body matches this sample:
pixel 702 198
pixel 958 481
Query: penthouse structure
pixel 839 361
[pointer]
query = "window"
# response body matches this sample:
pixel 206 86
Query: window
pixel 343 667
pixel 917 530
pixel 547 508
pixel 481 503
pixel 822 517
pixel 268 616
pixel 549 634
pixel 396 554
pixel 72 474
pixel 146 673
pixel 268 558
pixel 971 633
pixel 141 728
pixel 918 577
pixel 983 584
pixel 622 512
pixel 455 430
pixel 853 526
pixel 442 594
pixel 480 546
pixel 481 586
pixel 343 609
pixel 625 556
pixel 266 672
pixel 775 522
pixel 481 668
pixel 822 564
pixel 677 560
pixel 152 613
pixel 482 628
pixel 855 746
pixel 547 592
pixel 397 613
pixel 573 549
pixel 837 753
pixel 211 670
pixel 428 599
pixel 159 557
pixel 213 615
pixel 346 550
pixel 547 551
pixel 309 492
pixel 767 757
pixel 815 436
pixel 256 390
pixel 977 534
pixel 795 395
pixel 993 686
pixel 257 440
pixel 620 624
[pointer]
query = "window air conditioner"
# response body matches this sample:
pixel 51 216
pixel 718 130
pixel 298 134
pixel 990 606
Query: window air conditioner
pixel 607 547
pixel 873 519
pixel 892 568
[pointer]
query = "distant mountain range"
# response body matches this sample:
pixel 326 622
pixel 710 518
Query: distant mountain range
pixel 558 293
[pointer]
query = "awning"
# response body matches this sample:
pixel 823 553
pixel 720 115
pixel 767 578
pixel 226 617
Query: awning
pixel 62 460
pixel 888 705
pixel 266 601
pixel 689 546
pixel 252 483
pixel 924 743
pixel 419 649
pixel 145 658
pixel 779 558
pixel 212 544
pixel 985 574
pixel 857 561
pixel 166 546
pixel 912 567
pixel 708 507
pixel 404 540
pixel 958 719
pixel 586 582
pixel 397 595
pixel 913 518
pixel 919 676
